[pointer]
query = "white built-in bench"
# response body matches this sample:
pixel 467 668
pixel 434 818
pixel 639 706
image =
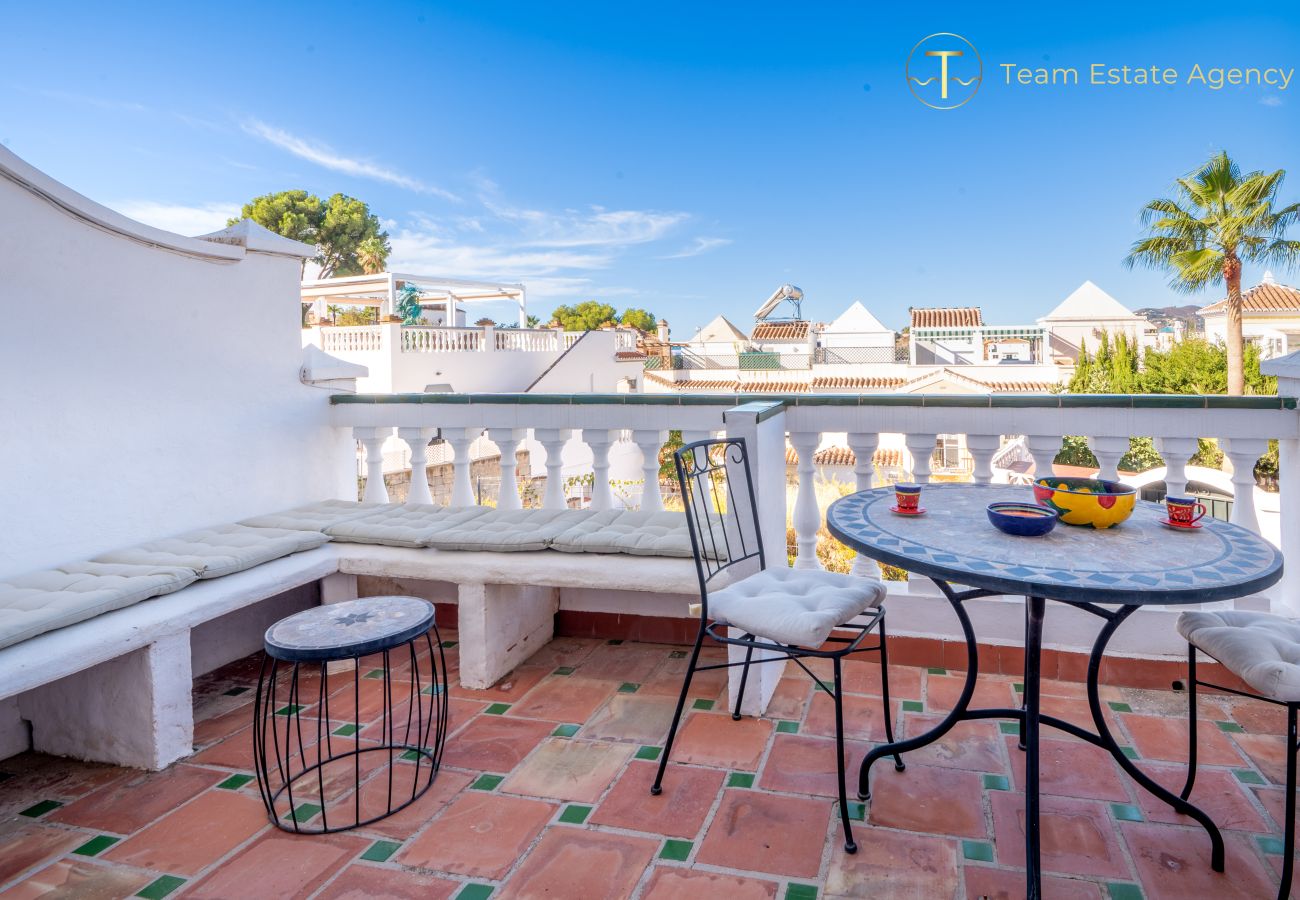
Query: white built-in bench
pixel 116 687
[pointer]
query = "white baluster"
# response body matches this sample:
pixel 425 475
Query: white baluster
pixel 1043 448
pixel 507 441
pixel 649 443
pixel 373 440
pixel 921 447
pixel 553 441
pixel 599 439
pixel 863 445
pixel 1176 452
pixel 982 448
pixel 1108 450
pixel 807 520
pixel 1243 452
pixel 418 440
pixel 462 486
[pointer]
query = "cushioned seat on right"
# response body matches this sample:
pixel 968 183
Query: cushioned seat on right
pixel 507 530
pixel 1261 649
pixel 795 606
pixel 403 526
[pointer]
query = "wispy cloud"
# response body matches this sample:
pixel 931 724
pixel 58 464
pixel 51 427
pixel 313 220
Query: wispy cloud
pixel 698 246
pixel 189 220
pixel 323 156
pixel 105 103
pixel 1271 100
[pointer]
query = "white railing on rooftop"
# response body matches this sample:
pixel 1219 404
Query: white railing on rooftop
pixel 445 339
pixel 429 339
pixel 352 338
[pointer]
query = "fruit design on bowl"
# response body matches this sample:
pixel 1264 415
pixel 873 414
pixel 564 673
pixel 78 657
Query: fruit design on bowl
pixel 1089 502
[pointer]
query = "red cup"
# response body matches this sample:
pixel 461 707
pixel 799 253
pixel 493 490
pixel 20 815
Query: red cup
pixel 907 497
pixel 1184 511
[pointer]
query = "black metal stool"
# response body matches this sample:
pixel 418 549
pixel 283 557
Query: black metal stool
pixel 358 767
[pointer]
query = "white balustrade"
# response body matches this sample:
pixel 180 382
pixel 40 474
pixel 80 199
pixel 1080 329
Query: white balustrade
pixel 1176 452
pixel 1043 448
pixel 599 440
pixel 507 441
pixel 373 440
pixel 864 444
pixel 1242 453
pixel 422 339
pixel 462 489
pixel 807 519
pixel 352 338
pixel 1109 450
pixel 981 448
pixel 921 448
pixel 418 440
pixel 649 442
pixel 553 441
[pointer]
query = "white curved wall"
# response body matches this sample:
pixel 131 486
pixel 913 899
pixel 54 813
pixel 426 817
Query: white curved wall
pixel 150 381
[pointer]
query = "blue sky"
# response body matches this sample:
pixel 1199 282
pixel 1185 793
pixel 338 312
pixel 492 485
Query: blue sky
pixel 685 159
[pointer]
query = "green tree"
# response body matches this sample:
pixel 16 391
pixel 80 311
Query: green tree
pixel 638 318
pixel 372 255
pixel 532 322
pixel 337 227
pixel 1218 220
pixel 585 316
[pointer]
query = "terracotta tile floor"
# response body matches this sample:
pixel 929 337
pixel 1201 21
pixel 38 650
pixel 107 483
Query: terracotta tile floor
pixel 567 746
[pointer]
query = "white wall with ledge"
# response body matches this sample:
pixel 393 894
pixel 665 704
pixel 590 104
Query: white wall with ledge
pixel 130 415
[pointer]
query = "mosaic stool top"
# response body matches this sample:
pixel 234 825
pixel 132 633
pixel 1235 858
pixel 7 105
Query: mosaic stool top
pixel 349 629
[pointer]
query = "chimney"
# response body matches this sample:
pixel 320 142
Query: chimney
pixel 663 331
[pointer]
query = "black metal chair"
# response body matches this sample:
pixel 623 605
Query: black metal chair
pixel 1263 650
pixel 785 614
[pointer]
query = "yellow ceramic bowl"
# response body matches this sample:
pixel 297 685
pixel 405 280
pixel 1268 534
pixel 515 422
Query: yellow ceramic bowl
pixel 1089 502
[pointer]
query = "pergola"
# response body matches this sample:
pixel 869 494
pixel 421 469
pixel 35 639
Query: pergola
pixel 381 289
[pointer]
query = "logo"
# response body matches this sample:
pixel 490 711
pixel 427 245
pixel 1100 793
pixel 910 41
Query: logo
pixel 944 70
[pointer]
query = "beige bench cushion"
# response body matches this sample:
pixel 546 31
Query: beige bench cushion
pixel 213 552
pixel 508 530
pixel 315 516
pixel 795 606
pixel 403 526
pixel 38 602
pixel 1260 648
pixel 628 531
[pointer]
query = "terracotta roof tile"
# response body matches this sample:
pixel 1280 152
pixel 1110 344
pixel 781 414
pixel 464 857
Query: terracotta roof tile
pixel 1267 296
pixel 848 383
pixel 842 456
pixel 780 331
pixel 775 387
pixel 947 317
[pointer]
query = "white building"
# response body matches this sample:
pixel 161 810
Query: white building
pixel 1270 317
pixel 1079 320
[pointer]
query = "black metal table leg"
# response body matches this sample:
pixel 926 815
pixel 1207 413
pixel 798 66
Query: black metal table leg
pixel 1029 731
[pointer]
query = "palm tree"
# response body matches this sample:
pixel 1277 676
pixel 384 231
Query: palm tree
pixel 334 313
pixel 1218 220
pixel 372 255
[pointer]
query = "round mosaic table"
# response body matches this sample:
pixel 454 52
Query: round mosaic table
pixel 389 705
pixel 1136 563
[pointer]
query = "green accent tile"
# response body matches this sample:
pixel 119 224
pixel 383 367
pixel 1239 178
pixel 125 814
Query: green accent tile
pixel 1270 845
pixel 1009 727
pixel 937 670
pixel 676 850
pixel 1248 776
pixel 564 670
pixel 160 887
pixel 412 756
pixel 614 642
pixel 913 706
pixel 1126 812
pixel 702 704
pixel 497 709
pixel 1169 401
pixel 346 730
pixel 475 892
pixel 235 782
pixel 487 782
pixel 565 730
pixel 800 891
pixel 374 673
pixel 430 690
pixel 235 691
pixel 857 811
pixel 650 753
pixel 980 851
pixel 447 645
pixel 1123 890
pixel 305 811
pixel 1019 686
pixel 379 851
pixel 96 845
pixel 677 654
pixel 1122 401
pixel 827 686
pixel 785 726
pixel 956 400
pixel 289 710
pixel 40 809
pixel 740 779
pixel 1116 706
pixel 996 783
pixel 628 687
pixel 575 814
pixel 1232 727
pixel 1130 752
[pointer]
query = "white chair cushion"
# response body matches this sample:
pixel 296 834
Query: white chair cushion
pixel 315 516
pixel 508 530
pixel 795 606
pixel 403 526
pixel 1261 649
pixel 213 552
pixel 38 602
pixel 628 531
